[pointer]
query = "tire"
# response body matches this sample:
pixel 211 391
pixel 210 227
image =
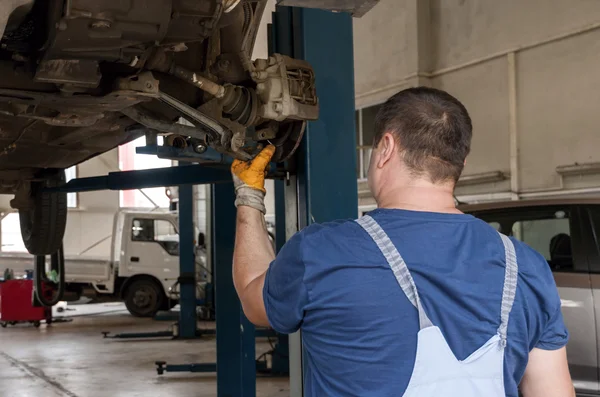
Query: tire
pixel 168 304
pixel 43 226
pixel 37 324
pixel 144 298
pixel 3 324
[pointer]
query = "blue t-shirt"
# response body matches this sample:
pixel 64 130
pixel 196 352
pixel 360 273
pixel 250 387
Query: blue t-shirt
pixel 360 331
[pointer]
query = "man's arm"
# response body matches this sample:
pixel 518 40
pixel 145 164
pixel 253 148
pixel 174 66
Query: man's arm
pixel 253 251
pixel 251 258
pixel 547 374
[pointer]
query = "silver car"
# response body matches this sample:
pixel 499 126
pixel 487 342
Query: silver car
pixel 567 233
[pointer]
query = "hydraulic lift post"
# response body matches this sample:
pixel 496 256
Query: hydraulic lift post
pixel 236 368
pixel 187 264
pixel 328 150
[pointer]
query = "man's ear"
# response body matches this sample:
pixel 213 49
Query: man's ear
pixel 387 149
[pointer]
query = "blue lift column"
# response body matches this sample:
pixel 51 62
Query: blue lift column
pixel 326 185
pixel 236 367
pixel 187 263
pixel 328 152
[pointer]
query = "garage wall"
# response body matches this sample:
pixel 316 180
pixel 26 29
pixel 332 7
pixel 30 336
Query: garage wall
pixel 526 70
pixel 465 30
pixel 381 46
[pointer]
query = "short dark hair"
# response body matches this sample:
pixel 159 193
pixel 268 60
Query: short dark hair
pixel 432 128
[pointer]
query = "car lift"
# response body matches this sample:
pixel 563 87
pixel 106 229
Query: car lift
pixel 326 153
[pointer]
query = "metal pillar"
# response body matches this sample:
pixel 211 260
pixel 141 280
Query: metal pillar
pixel 328 151
pixel 235 334
pixel 187 263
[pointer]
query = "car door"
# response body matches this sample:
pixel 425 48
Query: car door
pixel 592 234
pixel 557 232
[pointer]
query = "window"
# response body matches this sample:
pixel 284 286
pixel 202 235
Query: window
pixel 368 124
pixel 549 237
pixel 11 234
pixel 10 226
pixel 71 173
pixel 159 231
pixel 365 133
pixel 496 225
pixel 130 161
pixel 546 230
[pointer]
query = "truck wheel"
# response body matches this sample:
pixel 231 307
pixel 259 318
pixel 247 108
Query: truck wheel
pixel 43 225
pixel 168 304
pixel 144 298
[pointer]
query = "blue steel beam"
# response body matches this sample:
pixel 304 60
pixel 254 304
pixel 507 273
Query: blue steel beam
pixel 187 264
pixel 326 159
pixel 210 158
pixel 140 179
pixel 236 368
pixel 327 156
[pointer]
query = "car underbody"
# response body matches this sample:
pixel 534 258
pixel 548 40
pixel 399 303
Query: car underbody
pixel 81 77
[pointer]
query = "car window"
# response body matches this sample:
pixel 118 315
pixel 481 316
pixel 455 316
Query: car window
pixel 546 231
pixel 549 237
pixel 496 225
pixel 160 231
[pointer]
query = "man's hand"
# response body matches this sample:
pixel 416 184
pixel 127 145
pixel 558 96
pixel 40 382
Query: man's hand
pixel 249 179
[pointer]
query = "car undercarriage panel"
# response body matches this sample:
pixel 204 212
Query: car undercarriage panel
pixel 80 77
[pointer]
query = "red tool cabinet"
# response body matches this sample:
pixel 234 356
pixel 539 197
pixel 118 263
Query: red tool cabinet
pixel 16 304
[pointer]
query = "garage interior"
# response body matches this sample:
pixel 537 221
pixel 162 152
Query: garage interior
pixel 525 70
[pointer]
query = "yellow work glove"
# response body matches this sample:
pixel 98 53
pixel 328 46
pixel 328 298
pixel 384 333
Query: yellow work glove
pixel 249 179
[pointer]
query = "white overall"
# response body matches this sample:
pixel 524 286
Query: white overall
pixel 437 372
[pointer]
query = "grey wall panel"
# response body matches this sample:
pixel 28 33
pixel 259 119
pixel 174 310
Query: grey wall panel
pixel 484 91
pixel 495 187
pixel 464 30
pixel 381 48
pixel 558 103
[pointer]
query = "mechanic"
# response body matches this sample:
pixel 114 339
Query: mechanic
pixel 416 298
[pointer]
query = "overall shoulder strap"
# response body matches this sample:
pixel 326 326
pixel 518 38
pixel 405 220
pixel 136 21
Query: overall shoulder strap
pixel 397 264
pixel 510 286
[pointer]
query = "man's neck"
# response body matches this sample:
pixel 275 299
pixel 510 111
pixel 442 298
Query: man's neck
pixel 419 196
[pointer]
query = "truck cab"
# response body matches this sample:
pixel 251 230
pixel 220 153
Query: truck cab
pixel 145 255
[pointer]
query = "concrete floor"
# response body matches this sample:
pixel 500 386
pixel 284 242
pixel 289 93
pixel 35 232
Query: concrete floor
pixel 73 360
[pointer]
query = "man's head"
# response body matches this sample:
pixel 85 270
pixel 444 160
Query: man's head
pixel 421 135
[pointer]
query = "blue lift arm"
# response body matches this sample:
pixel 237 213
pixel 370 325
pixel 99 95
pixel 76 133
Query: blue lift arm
pixel 141 179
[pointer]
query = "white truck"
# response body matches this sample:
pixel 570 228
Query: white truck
pixel 143 269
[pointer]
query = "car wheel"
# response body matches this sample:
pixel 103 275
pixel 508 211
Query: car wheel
pixel 3 324
pixel 144 298
pixel 43 225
